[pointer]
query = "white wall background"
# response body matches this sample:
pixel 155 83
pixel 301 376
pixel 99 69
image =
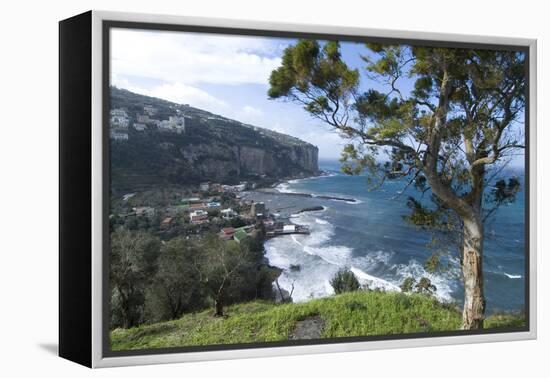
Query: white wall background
pixel 28 200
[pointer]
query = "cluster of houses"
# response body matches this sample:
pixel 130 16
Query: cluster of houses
pixel 198 209
pixel 120 122
pixel 205 206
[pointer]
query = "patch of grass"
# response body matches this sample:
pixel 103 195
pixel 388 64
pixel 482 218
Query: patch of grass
pixel 357 313
pixel 505 321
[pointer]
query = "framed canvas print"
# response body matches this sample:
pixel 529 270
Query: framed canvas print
pixel 236 189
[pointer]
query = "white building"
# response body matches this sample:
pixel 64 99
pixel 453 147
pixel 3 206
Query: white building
pixel 228 213
pixel 119 119
pixel 289 228
pixel 234 188
pixel 119 135
pixel 139 126
pixel 198 216
pixel 172 124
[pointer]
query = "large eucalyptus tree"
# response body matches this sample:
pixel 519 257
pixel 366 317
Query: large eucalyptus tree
pixel 448 132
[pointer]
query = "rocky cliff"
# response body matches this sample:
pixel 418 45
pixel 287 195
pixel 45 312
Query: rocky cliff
pixel 210 148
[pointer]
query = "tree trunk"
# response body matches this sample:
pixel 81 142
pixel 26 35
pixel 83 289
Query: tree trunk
pixel 219 307
pixel 472 256
pixel 124 309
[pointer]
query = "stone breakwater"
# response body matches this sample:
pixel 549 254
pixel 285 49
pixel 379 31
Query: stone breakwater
pixel 307 195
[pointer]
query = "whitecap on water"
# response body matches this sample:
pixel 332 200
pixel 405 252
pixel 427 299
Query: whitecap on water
pixel 284 188
pixel 373 282
pixel 513 276
pixel 319 260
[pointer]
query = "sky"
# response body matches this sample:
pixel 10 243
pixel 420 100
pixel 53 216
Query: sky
pixel 224 74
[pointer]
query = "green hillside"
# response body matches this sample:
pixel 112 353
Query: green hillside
pixel 351 314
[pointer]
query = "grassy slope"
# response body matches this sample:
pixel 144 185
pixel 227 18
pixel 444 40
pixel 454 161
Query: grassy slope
pixel 350 314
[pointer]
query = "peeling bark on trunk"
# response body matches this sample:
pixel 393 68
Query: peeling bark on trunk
pixel 472 271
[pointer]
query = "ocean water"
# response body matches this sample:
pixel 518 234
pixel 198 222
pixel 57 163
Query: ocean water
pixel 370 237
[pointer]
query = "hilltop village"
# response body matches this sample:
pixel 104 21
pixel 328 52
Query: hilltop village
pixel 120 122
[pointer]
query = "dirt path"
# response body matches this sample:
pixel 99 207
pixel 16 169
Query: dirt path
pixel 308 328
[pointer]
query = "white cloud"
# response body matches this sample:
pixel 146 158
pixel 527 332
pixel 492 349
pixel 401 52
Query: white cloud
pixel 192 58
pixel 186 94
pixel 250 114
pixel 252 111
pixel 178 93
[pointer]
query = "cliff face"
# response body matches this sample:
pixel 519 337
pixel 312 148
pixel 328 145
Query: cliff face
pixel 211 148
pixel 223 161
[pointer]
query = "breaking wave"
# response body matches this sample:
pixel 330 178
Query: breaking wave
pixel 284 187
pixel 310 261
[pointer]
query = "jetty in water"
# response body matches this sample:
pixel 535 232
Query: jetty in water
pixel 308 195
pixel 288 229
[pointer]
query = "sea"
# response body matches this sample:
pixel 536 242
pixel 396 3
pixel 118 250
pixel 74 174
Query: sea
pixel 369 236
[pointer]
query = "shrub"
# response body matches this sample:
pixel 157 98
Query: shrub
pixel 343 281
pixel 425 286
pixel 408 285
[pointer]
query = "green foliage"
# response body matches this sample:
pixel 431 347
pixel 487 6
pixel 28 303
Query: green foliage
pixel 433 263
pixel 504 192
pixel 423 286
pixel 351 314
pixel 133 262
pixel 177 287
pixel 232 272
pixel 237 222
pixel 505 321
pixel 407 285
pixel 151 282
pixel 420 215
pixel 344 281
pixel 315 76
